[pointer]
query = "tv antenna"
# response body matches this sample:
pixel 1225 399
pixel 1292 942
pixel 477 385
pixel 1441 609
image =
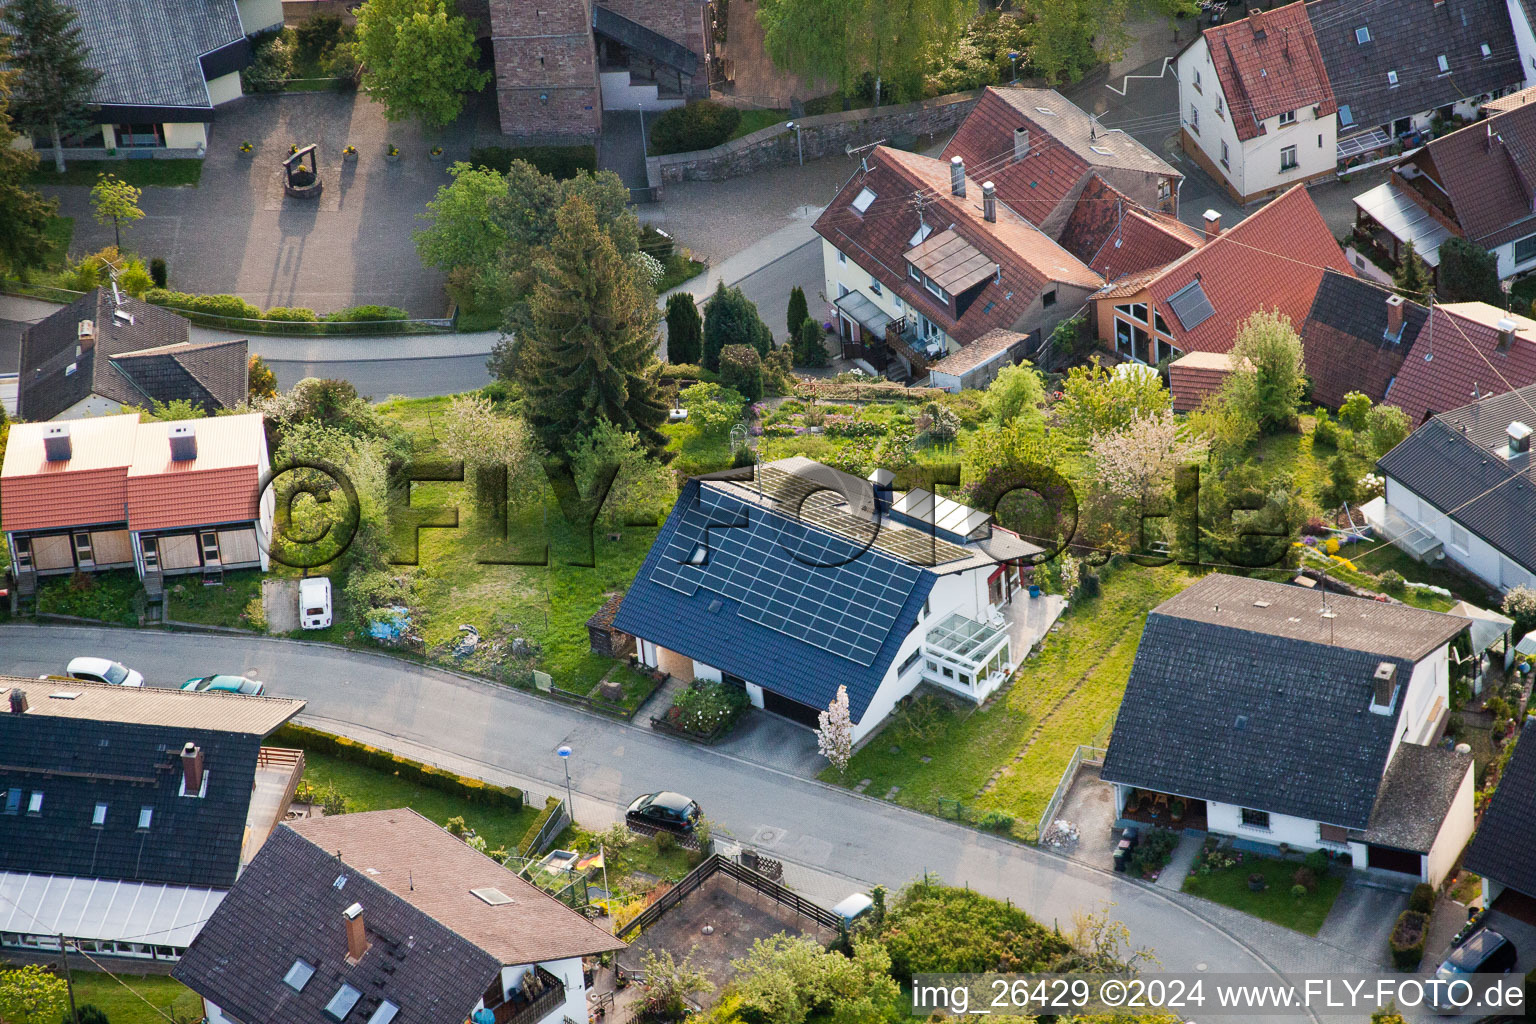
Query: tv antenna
pixel 862 152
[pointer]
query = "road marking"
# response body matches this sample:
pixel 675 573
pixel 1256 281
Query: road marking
pixel 1125 81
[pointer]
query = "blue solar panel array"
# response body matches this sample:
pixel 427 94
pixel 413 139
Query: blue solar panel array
pixel 803 582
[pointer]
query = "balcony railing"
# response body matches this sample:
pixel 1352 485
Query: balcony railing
pixel 543 1004
pixel 901 336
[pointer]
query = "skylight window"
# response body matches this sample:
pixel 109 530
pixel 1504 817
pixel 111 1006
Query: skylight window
pixel 1486 51
pixel 1444 64
pixel 385 1013
pixel 862 201
pixel 1047 111
pixel 99 816
pixel 1363 34
pixel 700 555
pixel 342 1002
pixel 35 803
pixel 492 895
pixel 922 232
pixel 1392 79
pixel 1346 116
pixel 1102 151
pixel 146 814
pixel 298 975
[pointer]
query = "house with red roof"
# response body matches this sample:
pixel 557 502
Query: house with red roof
pixel 1273 260
pixel 921 259
pixel 1467 351
pixel 1118 237
pixel 111 492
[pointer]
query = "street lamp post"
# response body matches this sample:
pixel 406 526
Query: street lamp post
pixel 1013 55
pixel 799 143
pixel 565 758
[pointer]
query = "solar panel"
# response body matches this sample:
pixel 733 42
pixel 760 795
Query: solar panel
pixel 789 576
pixel 1191 306
pixel 815 503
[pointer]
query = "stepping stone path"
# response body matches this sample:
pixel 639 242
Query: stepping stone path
pixel 863 785
pixel 892 794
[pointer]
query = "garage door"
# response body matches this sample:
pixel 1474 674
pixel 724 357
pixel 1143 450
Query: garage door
pixel 179 552
pixel 52 552
pixel 791 709
pixel 1388 859
pixel 1517 905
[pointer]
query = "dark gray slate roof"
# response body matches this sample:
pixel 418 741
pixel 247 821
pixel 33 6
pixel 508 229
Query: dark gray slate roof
pixel 1416 795
pixel 78 763
pixel 1344 335
pixel 1452 460
pixel 1501 850
pixel 148 51
pixel 729 632
pixel 149 360
pixel 1251 704
pixel 287 906
pixel 1410 43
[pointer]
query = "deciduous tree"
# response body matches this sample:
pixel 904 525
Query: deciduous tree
pixel 262 382
pixel 789 979
pixel 1269 373
pixel 32 995
pixel 54 82
pixel 1097 401
pixel 1137 461
pixel 25 214
pixel 834 735
pixel 418 58
pixel 1016 391
pixel 461 233
pixel 113 199
pixel 1071 36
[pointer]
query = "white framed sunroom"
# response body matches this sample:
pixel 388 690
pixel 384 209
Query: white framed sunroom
pixel 969 657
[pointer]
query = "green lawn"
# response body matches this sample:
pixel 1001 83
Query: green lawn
pixel 122 1006
pixel 1229 887
pixel 369 790
pixel 757 120
pixel 134 172
pixel 187 600
pixel 61 231
pixel 1009 755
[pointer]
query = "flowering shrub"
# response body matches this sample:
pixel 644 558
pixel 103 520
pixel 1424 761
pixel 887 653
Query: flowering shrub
pixel 706 706
pixel 847 426
pixel 1370 486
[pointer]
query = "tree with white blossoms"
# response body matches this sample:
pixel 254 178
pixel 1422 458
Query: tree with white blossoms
pixel 834 740
pixel 1138 461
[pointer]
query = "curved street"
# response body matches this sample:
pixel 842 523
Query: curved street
pixel 834 839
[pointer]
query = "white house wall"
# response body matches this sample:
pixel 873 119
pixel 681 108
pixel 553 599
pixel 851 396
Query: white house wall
pixel 260 15
pixel 1454 835
pixel 855 278
pixel 224 88
pixel 1197 58
pixel 90 405
pixel 1461 545
pixel 569 972
pixel 1297 833
pixel 1525 39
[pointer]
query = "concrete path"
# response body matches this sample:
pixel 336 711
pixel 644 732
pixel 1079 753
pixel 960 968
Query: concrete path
pixel 623 148
pixel 1183 860
pixel 805 823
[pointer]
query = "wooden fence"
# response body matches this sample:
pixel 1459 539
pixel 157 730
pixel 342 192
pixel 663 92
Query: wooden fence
pixel 746 876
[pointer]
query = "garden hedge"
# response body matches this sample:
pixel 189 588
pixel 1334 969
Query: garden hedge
pixel 475 791
pixel 214 305
pixel 550 803
pixel 703 124
pixel 558 162
pixel 1407 939
pixel 1422 899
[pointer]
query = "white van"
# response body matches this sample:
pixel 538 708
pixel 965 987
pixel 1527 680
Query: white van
pixel 315 602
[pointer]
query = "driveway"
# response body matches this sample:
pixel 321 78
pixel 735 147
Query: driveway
pixel 858 839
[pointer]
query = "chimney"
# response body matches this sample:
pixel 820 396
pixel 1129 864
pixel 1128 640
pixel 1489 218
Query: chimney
pixel 1256 22
pixel 1020 143
pixel 1212 224
pixel 957 176
pixel 56 444
pixel 1384 688
pixel 357 935
pixel 85 336
pixel 1519 438
pixel 1506 333
pixel 192 768
pixel 18 702
pixel 988 201
pixel 183 443
pixel 1394 317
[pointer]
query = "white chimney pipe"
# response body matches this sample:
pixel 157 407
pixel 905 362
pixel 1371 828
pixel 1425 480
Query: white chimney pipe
pixel 957 176
pixel 988 201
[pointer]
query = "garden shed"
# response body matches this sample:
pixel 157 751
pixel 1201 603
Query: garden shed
pixel 604 638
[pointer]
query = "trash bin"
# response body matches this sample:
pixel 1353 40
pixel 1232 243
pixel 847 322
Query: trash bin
pixel 1122 854
pixel 1034 590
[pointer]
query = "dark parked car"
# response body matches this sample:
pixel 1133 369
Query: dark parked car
pixel 671 811
pixel 1485 951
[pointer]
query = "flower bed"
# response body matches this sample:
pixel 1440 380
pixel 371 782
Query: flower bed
pixel 704 711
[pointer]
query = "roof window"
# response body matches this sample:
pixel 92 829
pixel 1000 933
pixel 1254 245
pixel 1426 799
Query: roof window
pixel 1191 305
pixel 1363 34
pixel 862 201
pixel 385 1013
pixel 1102 151
pixel 146 815
pixel 342 1002
pixel 1346 116
pixel 99 816
pixel 298 975
pixel 922 232
pixel 35 803
pixel 492 895
pixel 1047 111
pixel 1486 51
pixel 1443 63
pixel 1392 79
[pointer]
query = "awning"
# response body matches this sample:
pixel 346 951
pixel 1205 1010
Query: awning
pixel 1360 143
pixel 104 911
pixel 1487 626
pixel 863 311
pixel 1405 220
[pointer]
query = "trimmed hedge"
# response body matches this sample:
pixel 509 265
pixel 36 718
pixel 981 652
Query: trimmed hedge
pixel 550 803
pixel 475 791
pixel 558 162
pixel 214 305
pixel 366 314
pixel 687 371
pixel 1407 939
pixel 702 124
pixel 1422 898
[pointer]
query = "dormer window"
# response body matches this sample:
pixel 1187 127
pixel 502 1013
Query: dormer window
pixel 862 201
pixel 1288 117
pixel 1363 35
pixel 1392 79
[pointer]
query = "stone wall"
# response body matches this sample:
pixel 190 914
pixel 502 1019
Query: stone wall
pixel 546 69
pixel 822 135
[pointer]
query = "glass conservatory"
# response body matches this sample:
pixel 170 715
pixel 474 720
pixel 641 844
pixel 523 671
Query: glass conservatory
pixel 969 657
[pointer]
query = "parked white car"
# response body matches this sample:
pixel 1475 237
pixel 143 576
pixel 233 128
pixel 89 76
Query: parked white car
pixel 315 602
pixel 101 670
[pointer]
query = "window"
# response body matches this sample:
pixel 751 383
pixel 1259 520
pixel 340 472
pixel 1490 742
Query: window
pixel 1443 64
pixel 1048 299
pixel 922 232
pixel 842 257
pixel 298 975
pixel 99 816
pixel 342 1002
pixel 1525 248
pixel 912 659
pixel 1459 538
pixel 1194 119
pixel 862 201
pixel 842 289
pixel 1224 160
pixel 385 1013
pixel 1486 51
pixel 1196 82
pixel 874 286
pixel 1288 158
pixel 1332 834
pixel 1319 140
pixel 1220 107
pixel 1164 188
pixel 933 287
pixel 1392 79
pixel 13 801
pixel 1288 117
pixel 1159 323
pixel 914 273
pixel 35 803
pixel 145 816
pixel 1255 819
pixel 138 135
pixel 1363 34
pixel 1346 116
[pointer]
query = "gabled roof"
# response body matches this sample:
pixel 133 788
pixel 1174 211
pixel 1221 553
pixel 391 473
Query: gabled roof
pixel 1460 463
pixel 1273 260
pixel 1116 237
pixel 1420 785
pixel 1195 377
pixel 880 237
pixel 1345 340
pixel 1488 170
pixel 150 359
pixel 149 51
pixel 1065 145
pixel 121 747
pixel 1243 692
pixel 1458 352
pixel 1269 64
pixel 1501 849
pixel 1409 40
pixel 983 350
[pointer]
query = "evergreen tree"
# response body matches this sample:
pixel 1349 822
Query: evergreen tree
pixel 25 214
pixel 1412 278
pixel 685 329
pixel 53 86
pixel 798 312
pixel 810 345
pixel 588 350
pixel 1469 273
pixel 730 318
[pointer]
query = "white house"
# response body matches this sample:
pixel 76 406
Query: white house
pixel 1278 715
pixel 366 918
pixel 795 578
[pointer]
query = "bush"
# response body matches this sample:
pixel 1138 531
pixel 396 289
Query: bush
pixel 1407 940
pixel 1299 891
pixel 1326 432
pixel 316 34
pixel 367 314
pixel 1305 879
pixel 559 162
pixel 1154 851
pixel 702 124
pixel 1317 862
pixel 1393 582
pixel 291 314
pixel 1422 899
pixel 157 272
pixel 705 708
pixel 214 305
pixel 997 821
pixel 271 65
pixel 666 842
pixel 134 278
pixel 741 369
pixel 934 928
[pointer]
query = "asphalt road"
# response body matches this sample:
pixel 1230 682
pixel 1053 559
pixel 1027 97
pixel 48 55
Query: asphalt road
pixel 798 820
pixel 379 378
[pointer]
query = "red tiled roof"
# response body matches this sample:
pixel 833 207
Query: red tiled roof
pixel 1269 64
pixel 1116 237
pixel 1457 352
pixel 1193 377
pixel 1489 171
pixel 1271 261
pixel 879 239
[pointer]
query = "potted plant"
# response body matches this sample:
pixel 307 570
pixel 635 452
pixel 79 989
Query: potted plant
pixel 246 149
pixel 293 147
pixel 1256 882
pixel 436 153
pixel 1176 810
pixel 349 154
pixel 392 154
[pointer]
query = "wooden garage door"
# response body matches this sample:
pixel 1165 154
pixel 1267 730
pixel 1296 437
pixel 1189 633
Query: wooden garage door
pixel 53 552
pixel 112 547
pixel 237 546
pixel 179 552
